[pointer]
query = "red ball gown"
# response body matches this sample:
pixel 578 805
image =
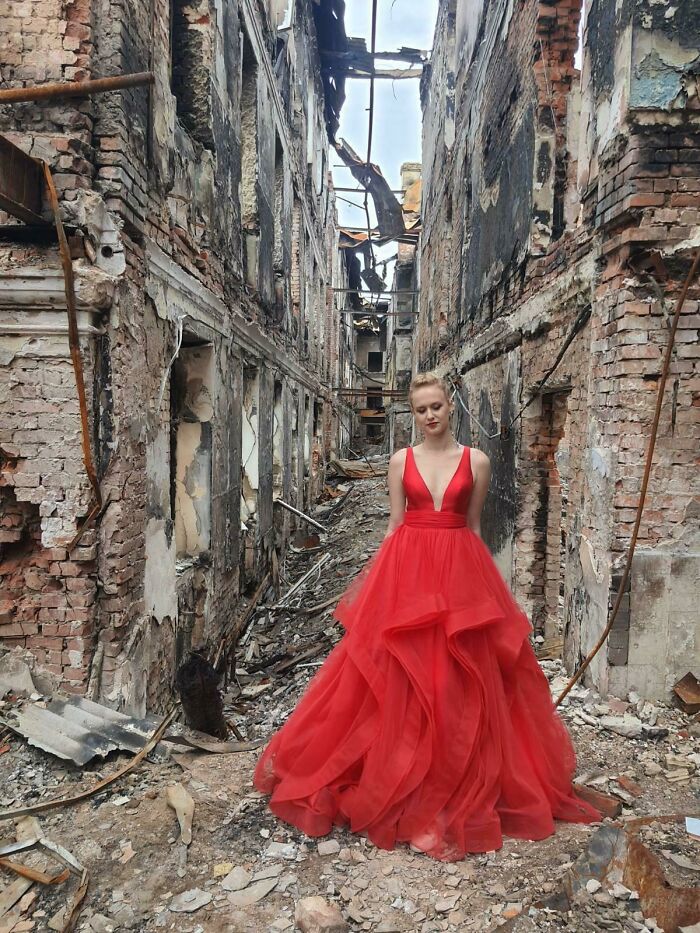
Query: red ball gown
pixel 431 722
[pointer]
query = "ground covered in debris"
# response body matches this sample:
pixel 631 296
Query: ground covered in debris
pixel 244 871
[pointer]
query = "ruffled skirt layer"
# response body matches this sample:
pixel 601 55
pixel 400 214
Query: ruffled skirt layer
pixel 431 722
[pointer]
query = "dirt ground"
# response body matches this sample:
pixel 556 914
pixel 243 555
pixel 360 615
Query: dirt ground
pixel 249 871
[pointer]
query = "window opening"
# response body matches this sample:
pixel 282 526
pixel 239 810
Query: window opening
pixel 192 411
pixel 375 361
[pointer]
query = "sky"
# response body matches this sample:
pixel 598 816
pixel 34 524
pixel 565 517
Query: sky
pixel 396 136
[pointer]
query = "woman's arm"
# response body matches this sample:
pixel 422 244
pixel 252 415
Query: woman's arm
pixel 397 497
pixel 481 471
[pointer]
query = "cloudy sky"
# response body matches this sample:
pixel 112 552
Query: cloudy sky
pixel 397 118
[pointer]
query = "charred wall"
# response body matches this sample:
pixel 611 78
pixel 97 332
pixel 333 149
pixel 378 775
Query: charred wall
pixel 565 209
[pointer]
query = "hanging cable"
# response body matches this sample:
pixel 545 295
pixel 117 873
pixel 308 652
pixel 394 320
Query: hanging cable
pixel 455 394
pixel 580 322
pixel 179 327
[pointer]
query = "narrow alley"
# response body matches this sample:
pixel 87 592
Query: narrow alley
pixel 232 232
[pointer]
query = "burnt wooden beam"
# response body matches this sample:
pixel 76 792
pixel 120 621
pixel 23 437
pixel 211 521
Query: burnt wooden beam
pixel 198 685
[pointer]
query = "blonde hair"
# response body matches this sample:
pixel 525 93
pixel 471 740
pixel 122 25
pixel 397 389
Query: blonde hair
pixel 421 380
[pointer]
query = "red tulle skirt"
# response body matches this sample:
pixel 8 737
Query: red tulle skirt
pixel 431 722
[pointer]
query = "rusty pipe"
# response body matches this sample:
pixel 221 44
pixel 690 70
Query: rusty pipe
pixel 20 95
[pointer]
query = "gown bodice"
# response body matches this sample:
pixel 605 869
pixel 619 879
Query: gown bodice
pixel 455 500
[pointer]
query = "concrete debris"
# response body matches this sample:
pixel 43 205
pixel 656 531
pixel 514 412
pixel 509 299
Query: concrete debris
pixel 254 892
pixel 328 847
pixel 681 860
pixel 98 923
pixel 189 901
pixel 285 850
pixel 629 726
pixel 237 879
pixel 315 915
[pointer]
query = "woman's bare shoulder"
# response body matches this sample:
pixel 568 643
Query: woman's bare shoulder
pixel 479 458
pixel 399 458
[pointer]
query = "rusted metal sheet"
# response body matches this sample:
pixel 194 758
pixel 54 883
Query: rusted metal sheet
pixel 76 729
pixel 79 730
pixel 687 692
pixel 21 183
pixel 673 907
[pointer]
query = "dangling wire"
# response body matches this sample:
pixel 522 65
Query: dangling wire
pixel 455 393
pixel 179 324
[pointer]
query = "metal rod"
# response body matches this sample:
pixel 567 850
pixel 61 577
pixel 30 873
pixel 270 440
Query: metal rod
pixel 368 391
pixel 348 228
pixel 315 569
pixel 356 190
pixel 20 95
pixel 368 291
pixel 370 248
pixel 383 313
pixel 395 74
pixel 307 518
pixel 73 335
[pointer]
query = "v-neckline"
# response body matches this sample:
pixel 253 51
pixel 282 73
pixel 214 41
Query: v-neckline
pixel 447 488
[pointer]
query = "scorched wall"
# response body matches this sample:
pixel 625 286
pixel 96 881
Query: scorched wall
pixel 561 207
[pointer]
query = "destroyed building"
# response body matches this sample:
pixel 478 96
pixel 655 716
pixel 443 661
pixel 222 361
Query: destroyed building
pixel 204 246
pixel 561 210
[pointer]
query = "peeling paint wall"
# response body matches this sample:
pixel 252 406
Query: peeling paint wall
pixel 565 210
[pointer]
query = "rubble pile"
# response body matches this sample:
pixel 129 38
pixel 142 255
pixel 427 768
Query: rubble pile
pixel 184 843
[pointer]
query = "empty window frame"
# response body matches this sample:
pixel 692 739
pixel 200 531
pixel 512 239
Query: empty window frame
pixel 375 361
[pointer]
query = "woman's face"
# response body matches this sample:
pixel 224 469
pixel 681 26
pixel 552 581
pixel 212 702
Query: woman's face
pixel 431 410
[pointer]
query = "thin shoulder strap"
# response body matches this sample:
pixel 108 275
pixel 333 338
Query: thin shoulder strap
pixel 407 460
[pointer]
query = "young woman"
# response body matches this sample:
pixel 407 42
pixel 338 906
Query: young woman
pixel 431 722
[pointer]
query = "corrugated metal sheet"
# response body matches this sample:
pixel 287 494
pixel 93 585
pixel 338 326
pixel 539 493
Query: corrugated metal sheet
pixel 79 730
